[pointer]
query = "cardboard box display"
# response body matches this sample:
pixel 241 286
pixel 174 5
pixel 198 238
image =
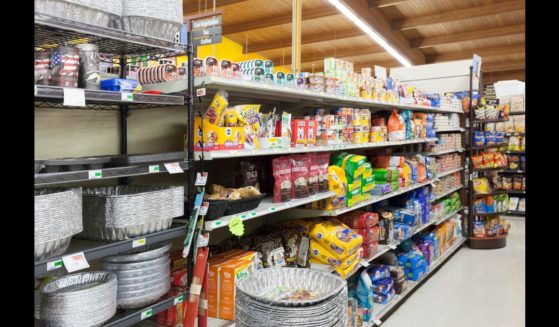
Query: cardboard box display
pixel 229 276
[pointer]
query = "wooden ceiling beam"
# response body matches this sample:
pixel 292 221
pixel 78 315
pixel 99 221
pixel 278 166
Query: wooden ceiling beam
pixel 382 26
pixel 263 22
pixel 485 52
pixel 468 36
pixel 192 5
pixel 338 53
pixel 502 66
pixel 458 15
pixel 385 3
pixel 305 40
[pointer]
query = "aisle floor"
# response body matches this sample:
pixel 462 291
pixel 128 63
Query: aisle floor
pixel 482 288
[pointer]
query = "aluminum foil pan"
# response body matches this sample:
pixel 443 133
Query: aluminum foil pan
pixel 135 265
pixel 58 213
pixel 156 28
pixel 93 12
pixel 49 249
pixel 144 253
pixel 144 278
pixel 142 272
pixel 327 284
pixel 118 234
pixel 131 205
pixel 145 298
pixel 82 299
pixel 170 10
pixel 148 288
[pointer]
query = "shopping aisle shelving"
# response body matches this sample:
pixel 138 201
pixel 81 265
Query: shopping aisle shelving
pixel 448 172
pixel 452 190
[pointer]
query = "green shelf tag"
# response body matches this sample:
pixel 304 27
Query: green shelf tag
pixel 178 300
pixel 146 314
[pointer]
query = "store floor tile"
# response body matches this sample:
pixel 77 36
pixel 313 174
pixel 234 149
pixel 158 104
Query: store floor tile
pixel 482 288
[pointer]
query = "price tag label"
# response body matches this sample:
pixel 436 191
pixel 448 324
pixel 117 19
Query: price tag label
pixel 178 300
pixel 95 174
pixel 139 242
pixel 377 321
pixel 201 178
pixel 75 262
pixel 204 208
pixel 364 263
pixel 154 169
pixel 203 240
pixel 146 314
pixel 36 90
pixel 74 97
pixel 392 246
pixel 195 289
pixel 126 96
pixel 52 265
pixel 173 168
pixel 201 92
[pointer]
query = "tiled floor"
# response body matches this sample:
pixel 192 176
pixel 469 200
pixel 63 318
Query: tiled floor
pixel 482 288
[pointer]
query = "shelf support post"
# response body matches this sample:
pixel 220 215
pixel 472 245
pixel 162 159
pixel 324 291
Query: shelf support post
pixel 296 37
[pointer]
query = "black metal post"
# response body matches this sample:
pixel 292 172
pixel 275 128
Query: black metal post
pixel 469 158
pixel 123 117
pixel 190 135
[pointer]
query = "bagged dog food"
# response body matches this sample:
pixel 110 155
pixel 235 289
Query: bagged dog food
pixel 299 176
pixel 352 164
pixel 378 272
pixel 396 127
pixel 337 182
pixel 215 112
pixel 370 249
pixel 346 273
pixel 314 173
pixel 324 256
pixel 369 235
pixel 364 294
pixel 322 160
pixel 336 237
pixel 359 219
pixel 282 179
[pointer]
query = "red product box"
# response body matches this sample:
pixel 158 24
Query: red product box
pixel 298 133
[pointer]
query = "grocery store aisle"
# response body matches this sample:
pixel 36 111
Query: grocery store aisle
pixel 482 288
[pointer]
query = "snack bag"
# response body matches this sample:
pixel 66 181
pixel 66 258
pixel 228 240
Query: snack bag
pixel 337 182
pixel 481 185
pixel 336 237
pixel 300 165
pixel 396 127
pixel 215 112
pixel 282 179
pixel 370 235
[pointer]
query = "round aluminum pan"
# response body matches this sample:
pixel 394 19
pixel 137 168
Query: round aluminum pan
pixel 327 284
pixel 143 286
pixel 152 27
pixel 67 301
pixel 135 265
pixel 141 272
pixel 49 249
pixel 145 299
pixel 119 234
pixel 144 278
pixel 144 253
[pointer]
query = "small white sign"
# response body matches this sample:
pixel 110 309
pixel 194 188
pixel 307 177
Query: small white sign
pixel 201 179
pixel 52 265
pixel 380 72
pixel 364 263
pixel 204 208
pixel 74 97
pixel 146 314
pixel 139 242
pixel 195 289
pixel 75 262
pixel 377 321
pixel 174 168
pixel 95 174
pixel 178 299
pixel 203 304
pixel 127 96
pixel 154 169
pixel 201 92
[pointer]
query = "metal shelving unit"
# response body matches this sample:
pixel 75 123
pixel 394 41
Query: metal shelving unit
pixel 452 190
pixel 495 146
pixel 122 47
pixel 450 130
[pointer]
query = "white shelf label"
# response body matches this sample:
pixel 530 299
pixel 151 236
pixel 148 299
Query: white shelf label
pixel 173 168
pixel 124 96
pixel 377 321
pixel 154 169
pixel 195 289
pixel 146 314
pixel 201 92
pixel 75 262
pixel 95 174
pixel 204 208
pixel 36 90
pixel 139 242
pixel 52 265
pixel 74 97
pixel 392 246
pixel 201 179
pixel 178 300
pixel 364 263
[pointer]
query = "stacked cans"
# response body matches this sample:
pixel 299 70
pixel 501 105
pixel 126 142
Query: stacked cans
pixel 89 76
pixel 157 74
pixel 64 65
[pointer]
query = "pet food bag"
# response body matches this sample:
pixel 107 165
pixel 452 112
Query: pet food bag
pixel 324 256
pixel 359 219
pixel 215 112
pixel 396 127
pixel 282 179
pixel 337 183
pixel 336 237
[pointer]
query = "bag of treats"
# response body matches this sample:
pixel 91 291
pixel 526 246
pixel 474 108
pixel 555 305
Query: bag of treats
pixel 386 224
pixel 487 160
pixel 497 182
pixel 299 176
pixel 364 295
pixel 507 183
pixel 479 138
pixel 481 185
pixel 314 174
pixel 281 168
pixel 359 219
pixel 337 183
pixel 369 235
pixel 517 183
pixel 336 237
pixel 370 249
pixel 514 143
pixel 215 112
pixel 396 127
pixel 514 162
pixel 323 159
pixel 477 161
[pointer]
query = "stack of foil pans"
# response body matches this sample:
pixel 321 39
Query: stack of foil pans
pixel 156 18
pixel 116 213
pixel 94 12
pixel 58 216
pixel 143 277
pixel 82 299
pixel 328 308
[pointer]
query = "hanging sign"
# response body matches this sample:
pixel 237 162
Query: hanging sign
pixel 206 30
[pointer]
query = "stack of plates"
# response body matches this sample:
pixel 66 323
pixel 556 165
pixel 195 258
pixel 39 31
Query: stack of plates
pixel 328 308
pixel 143 275
pixel 93 12
pixel 116 213
pixel 82 299
pixel 58 216
pixel 156 18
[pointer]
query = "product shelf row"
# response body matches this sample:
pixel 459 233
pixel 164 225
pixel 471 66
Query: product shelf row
pixel 290 94
pixel 452 190
pixel 438 153
pixel 98 249
pixel 516 213
pixel 45 179
pixel 452 171
pixel 450 129
pixel 515 192
pixel 223 154
pixel 308 213
pixel 380 311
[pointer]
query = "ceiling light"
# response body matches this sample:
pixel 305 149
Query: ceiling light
pixel 370 31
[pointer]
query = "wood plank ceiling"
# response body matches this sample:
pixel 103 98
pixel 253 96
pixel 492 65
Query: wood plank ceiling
pixel 424 31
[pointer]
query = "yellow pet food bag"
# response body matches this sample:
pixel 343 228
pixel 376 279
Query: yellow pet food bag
pixel 336 237
pixel 320 254
pixel 346 273
pixel 337 183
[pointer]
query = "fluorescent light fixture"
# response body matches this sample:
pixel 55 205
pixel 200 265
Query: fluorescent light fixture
pixel 370 31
